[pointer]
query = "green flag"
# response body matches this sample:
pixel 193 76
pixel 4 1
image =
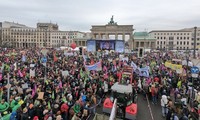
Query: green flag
pixel 53 96
pixel 77 108
pixel 1 94
pixel 49 105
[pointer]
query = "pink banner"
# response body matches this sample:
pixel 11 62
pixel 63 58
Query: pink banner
pixel 0 77
pixel 20 73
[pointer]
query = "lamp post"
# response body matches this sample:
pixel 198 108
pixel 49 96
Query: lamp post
pixel 8 85
pixel 195 73
pixel 195 39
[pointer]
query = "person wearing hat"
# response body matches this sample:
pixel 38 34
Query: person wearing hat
pixel 24 115
pixel 31 111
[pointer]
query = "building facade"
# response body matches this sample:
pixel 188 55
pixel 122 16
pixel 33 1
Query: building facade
pixel 113 31
pixel 81 41
pixel 45 35
pixel 173 39
pixel 144 40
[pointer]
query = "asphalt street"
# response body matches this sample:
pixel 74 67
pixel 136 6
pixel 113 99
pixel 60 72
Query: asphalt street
pixel 144 112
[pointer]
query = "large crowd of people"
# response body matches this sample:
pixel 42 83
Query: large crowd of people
pixel 50 84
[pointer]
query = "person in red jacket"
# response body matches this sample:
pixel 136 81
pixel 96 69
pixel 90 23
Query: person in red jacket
pixel 64 111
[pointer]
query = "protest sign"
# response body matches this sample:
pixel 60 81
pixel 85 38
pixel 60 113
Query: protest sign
pixel 24 86
pixel 32 73
pixel 65 73
pixel 40 95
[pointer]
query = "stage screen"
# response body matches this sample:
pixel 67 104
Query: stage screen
pixel 119 46
pixel 91 45
pixel 107 45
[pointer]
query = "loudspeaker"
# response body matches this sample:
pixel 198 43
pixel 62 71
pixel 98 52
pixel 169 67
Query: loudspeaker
pixel 80 50
pixel 140 52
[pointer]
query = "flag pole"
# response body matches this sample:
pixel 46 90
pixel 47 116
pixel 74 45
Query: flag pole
pixel 8 92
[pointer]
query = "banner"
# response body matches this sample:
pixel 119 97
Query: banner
pixel 91 46
pixel 125 59
pixel 141 71
pixel 65 73
pixel 144 71
pixel 97 66
pixel 32 73
pixel 173 66
pixel 23 58
pixel 107 45
pixel 119 46
pixel 0 76
pixel 134 65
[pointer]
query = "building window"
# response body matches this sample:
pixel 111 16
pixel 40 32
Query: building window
pixel 154 33
pixel 161 38
pixel 171 38
pixel 181 43
pixel 187 43
pixel 157 37
pixel 184 43
pixel 181 38
pixel 158 42
pixel 177 38
pixel 184 38
pixel 192 43
pixel 164 38
pixel 177 42
pixel 188 38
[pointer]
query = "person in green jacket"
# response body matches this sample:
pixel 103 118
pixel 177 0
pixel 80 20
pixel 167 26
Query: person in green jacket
pixel 3 105
pixel 6 116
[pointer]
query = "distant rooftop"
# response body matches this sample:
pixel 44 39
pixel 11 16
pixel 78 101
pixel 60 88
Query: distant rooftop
pixel 142 36
pixel 7 24
pixel 181 30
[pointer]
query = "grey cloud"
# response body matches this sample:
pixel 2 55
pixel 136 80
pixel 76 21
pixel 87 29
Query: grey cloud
pixel 81 14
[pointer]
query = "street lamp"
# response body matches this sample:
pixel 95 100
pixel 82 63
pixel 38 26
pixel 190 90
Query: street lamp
pixel 195 40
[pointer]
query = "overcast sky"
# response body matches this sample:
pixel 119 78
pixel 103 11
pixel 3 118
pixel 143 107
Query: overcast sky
pixel 81 14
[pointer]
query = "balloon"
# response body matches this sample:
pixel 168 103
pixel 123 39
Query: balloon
pixel 73 45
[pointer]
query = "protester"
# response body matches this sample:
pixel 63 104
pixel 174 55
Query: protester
pixel 68 86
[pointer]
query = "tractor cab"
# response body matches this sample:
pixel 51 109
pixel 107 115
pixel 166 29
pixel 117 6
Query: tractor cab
pixel 124 92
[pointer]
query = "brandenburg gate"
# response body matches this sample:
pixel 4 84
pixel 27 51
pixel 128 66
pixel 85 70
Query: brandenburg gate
pixel 103 32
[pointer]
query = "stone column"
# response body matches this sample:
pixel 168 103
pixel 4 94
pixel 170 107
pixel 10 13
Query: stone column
pixel 99 35
pixel 150 45
pixel 123 36
pixel 116 36
pixel 107 36
pixel 94 36
pixel 139 44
